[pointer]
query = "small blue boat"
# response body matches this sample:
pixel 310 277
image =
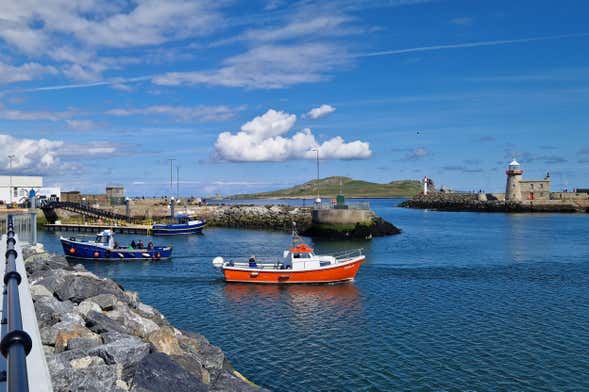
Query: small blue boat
pixel 104 247
pixel 181 224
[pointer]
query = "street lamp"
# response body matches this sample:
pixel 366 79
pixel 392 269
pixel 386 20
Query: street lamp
pixel 318 200
pixel 10 158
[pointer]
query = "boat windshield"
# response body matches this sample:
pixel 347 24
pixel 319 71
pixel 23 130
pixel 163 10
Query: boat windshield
pixel 102 239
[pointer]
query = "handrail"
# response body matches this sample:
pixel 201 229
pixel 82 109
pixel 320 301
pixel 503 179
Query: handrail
pixel 348 253
pixel 16 343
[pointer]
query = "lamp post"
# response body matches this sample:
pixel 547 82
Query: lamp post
pixel 10 158
pixel 84 204
pixel 171 172
pixel 318 200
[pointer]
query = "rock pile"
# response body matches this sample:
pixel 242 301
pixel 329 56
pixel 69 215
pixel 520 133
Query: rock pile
pixel 99 337
pixel 470 202
pixel 275 217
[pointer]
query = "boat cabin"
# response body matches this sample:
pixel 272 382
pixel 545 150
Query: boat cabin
pixel 105 238
pixel 301 257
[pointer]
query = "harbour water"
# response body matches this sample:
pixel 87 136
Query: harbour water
pixel 458 301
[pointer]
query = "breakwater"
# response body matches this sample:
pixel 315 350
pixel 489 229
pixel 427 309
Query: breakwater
pixel 97 336
pixel 471 202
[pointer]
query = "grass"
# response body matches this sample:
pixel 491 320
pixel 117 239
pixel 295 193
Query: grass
pixel 329 187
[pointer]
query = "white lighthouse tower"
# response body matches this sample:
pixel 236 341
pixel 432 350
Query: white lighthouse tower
pixel 514 176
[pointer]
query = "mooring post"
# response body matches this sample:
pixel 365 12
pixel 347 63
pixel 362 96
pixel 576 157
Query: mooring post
pixel 33 200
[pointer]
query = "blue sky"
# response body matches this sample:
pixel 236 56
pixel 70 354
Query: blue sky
pixel 106 92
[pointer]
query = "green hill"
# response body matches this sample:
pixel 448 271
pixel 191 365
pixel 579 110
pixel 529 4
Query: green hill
pixel 329 187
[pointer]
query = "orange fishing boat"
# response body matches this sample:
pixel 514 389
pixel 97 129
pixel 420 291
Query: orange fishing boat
pixel 299 264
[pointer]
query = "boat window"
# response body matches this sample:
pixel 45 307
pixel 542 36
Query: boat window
pixel 102 239
pixel 296 256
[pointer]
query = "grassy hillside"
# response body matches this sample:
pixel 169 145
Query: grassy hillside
pixel 329 187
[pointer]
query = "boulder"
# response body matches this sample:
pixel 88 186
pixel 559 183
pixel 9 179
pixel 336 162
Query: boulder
pixel 86 306
pixel 157 372
pixel 140 326
pixel 113 336
pixel 105 301
pixel 233 381
pixel 71 331
pixel 84 362
pixel 100 323
pixel 125 352
pixel 84 343
pixel 38 290
pixel 80 286
pixel 91 379
pixel 49 310
pixel 165 341
pixel 49 333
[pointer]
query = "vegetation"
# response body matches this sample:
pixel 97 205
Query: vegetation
pixel 329 187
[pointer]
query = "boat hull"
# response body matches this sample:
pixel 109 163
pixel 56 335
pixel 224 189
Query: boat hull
pixel 177 229
pixel 338 273
pixel 85 251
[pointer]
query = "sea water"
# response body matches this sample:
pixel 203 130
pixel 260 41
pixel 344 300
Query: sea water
pixel 458 301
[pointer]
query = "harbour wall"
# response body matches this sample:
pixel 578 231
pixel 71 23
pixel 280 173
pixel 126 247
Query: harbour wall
pixel 97 336
pixel 341 216
pixel 474 202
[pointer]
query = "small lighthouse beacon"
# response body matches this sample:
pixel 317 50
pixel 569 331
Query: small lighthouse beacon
pixel 514 176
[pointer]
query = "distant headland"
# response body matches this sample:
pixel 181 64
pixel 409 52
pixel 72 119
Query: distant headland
pixel 330 187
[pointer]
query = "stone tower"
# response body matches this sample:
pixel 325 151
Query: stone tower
pixel 514 176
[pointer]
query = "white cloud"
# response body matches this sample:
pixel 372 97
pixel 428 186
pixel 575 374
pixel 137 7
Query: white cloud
pixel 266 67
pixel 320 111
pixel 264 139
pixel 40 156
pixel 81 125
pixel 25 72
pixel 182 113
pixel 20 115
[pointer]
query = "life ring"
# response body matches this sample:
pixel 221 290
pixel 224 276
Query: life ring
pixel 158 255
pixel 96 254
pixel 72 250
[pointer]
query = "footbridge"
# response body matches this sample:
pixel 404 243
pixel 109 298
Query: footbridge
pixel 82 209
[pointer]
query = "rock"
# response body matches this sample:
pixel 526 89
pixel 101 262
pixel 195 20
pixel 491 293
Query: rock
pixel 91 379
pixel 229 381
pixel 165 341
pixel 80 286
pixel 86 306
pixel 73 317
pixel 191 363
pixel 84 343
pixel 113 336
pixel 157 372
pixel 84 362
pixel 63 335
pixel 209 356
pixel 122 385
pixel 49 310
pixel 100 323
pixel 126 352
pixel 38 290
pixel 105 301
pixel 49 333
pixel 140 326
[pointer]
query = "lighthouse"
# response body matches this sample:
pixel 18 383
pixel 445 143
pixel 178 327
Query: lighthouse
pixel 514 177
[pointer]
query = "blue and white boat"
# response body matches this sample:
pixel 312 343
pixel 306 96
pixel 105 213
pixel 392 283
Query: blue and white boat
pixel 180 224
pixel 104 247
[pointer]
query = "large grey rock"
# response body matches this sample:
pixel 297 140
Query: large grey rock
pixel 50 311
pixel 113 336
pixel 234 382
pixel 51 279
pixel 100 323
pixel 69 331
pixel 84 343
pixel 80 286
pixel 86 306
pixel 91 379
pixel 140 326
pixel 105 301
pixel 211 357
pixel 49 333
pixel 157 372
pixel 125 352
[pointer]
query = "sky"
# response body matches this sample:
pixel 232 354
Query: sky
pixel 245 95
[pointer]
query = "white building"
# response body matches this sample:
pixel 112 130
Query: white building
pixel 16 188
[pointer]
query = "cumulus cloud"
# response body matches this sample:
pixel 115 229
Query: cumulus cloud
pixel 264 139
pixel 25 72
pixel 181 113
pixel 320 111
pixel 40 156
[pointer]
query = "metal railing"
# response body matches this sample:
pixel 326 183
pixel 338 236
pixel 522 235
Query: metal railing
pixel 24 225
pixel 348 254
pixel 16 343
